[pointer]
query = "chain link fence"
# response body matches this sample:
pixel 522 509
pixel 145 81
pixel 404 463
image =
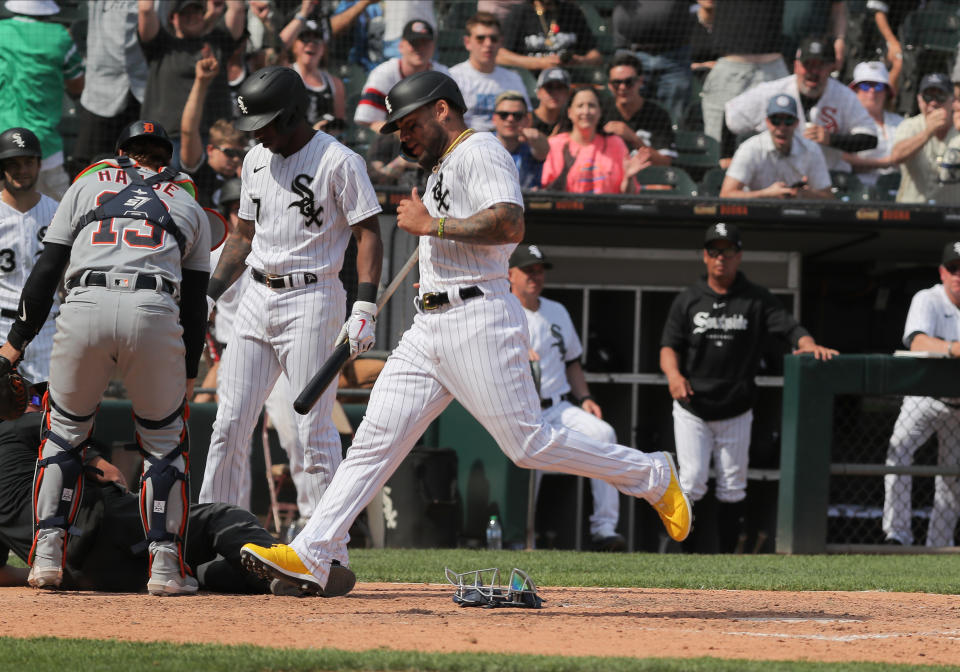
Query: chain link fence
pixel 894 472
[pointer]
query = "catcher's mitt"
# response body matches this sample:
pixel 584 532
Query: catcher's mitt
pixel 13 391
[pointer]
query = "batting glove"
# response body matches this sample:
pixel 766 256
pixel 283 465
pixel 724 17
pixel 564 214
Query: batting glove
pixel 360 327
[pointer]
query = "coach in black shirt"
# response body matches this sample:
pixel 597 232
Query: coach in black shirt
pixel 710 352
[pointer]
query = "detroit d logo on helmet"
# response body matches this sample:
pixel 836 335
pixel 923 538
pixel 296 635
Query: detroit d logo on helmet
pixel 242 105
pixel 19 140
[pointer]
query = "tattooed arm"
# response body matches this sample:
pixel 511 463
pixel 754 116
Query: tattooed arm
pixel 231 265
pixel 497 225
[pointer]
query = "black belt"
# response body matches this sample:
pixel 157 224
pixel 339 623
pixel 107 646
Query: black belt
pixel 144 281
pixel 547 403
pixel 9 314
pixel 282 281
pixel 433 300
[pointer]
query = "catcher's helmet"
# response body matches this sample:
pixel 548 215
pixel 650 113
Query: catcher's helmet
pixel 144 128
pixel 417 90
pixel 19 141
pixel 271 93
pixel 229 193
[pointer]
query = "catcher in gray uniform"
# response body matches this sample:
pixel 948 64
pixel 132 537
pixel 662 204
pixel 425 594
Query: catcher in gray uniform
pixel 136 248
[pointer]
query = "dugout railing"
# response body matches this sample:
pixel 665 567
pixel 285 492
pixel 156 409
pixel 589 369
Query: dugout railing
pixel 814 454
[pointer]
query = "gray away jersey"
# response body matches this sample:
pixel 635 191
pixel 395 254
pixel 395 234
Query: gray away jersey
pixel 124 245
pixel 304 205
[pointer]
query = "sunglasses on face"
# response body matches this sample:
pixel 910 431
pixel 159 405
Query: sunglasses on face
pixel 510 115
pixel 871 86
pixel 232 153
pixel 782 120
pixel 725 252
pixel 628 82
pixel 932 95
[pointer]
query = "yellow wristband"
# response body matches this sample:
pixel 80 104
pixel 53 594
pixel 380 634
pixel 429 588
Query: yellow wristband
pixel 440 227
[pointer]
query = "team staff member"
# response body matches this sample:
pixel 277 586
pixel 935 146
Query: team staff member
pixel 103 558
pixel 555 344
pixel 469 342
pixel 303 194
pixel 125 270
pixel 710 352
pixel 933 325
pixel 25 214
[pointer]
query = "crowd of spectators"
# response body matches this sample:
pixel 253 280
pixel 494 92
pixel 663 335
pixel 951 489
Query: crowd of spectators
pixel 586 96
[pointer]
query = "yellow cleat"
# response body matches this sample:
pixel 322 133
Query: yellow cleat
pixel 282 562
pixel 674 507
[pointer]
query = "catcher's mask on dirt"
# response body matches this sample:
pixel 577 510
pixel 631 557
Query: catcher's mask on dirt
pixel 481 588
pixel 948 167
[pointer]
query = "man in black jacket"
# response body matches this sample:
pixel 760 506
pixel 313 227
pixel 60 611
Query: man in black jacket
pixel 710 352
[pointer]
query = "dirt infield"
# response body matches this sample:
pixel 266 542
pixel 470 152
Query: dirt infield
pixel 812 626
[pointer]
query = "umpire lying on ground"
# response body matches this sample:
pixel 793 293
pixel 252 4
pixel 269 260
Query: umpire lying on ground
pixel 102 557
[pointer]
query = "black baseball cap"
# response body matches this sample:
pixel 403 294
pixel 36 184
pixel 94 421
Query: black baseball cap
pixel 936 80
pixel 951 252
pixel 528 255
pixel 721 231
pixel 816 48
pixel 418 29
pixel 181 5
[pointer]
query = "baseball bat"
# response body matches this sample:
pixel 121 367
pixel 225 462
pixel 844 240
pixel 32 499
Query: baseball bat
pixel 341 353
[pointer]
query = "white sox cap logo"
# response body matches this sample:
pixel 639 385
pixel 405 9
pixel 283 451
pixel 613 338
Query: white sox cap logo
pixel 389 106
pixel 783 101
pixel 242 105
pixel 19 140
pixel 721 229
pixel 535 251
pixel 956 248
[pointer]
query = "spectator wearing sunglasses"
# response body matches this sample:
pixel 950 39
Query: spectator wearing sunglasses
pixel 778 163
pixel 642 124
pixel 222 157
pixel 527 146
pixel 716 333
pixel 922 140
pixel 479 77
pixel 871 83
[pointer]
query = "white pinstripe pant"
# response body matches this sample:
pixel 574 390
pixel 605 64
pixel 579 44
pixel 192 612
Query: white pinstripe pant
pixel 476 352
pixel 292 330
pixel 728 441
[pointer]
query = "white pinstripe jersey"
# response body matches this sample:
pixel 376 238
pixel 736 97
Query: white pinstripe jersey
pixel 553 337
pixel 21 241
pixel 476 175
pixel 126 245
pixel 304 205
pixel 932 313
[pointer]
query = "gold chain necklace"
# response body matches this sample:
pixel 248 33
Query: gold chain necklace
pixel 460 138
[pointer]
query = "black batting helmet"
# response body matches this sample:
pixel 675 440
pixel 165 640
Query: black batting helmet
pixel 417 90
pixel 19 141
pixel 144 129
pixel 229 193
pixel 271 93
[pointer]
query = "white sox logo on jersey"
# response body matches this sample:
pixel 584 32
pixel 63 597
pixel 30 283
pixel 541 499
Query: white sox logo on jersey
pixel 559 344
pixel 306 205
pixel 18 139
pixel 441 195
pixel 704 321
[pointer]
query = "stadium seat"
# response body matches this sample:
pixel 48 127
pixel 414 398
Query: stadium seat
pixel 712 181
pixel 931 29
pixel 692 117
pixel 454 20
pixel 665 180
pixel 593 75
pixel 696 152
pixel 600 28
pixel 887 187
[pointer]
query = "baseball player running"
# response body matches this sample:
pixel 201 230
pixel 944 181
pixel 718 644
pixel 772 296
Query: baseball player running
pixel 469 341
pixel 933 325
pixel 555 343
pixel 710 352
pixel 302 196
pixel 24 216
pixel 133 240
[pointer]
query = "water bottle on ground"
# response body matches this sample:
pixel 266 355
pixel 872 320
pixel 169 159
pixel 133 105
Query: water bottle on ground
pixel 494 534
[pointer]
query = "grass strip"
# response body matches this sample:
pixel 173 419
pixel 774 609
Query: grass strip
pixel 46 653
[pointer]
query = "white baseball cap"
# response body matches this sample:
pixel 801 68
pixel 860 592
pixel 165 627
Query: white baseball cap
pixel 33 7
pixel 870 71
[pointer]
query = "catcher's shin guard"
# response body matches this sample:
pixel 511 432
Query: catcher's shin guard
pixel 165 495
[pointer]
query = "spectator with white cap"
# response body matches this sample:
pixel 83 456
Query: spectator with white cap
pixel 41 61
pixel 778 163
pixel 871 83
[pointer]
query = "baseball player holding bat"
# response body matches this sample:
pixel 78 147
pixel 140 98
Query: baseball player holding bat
pixel 468 342
pixel 303 194
pixel 135 245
